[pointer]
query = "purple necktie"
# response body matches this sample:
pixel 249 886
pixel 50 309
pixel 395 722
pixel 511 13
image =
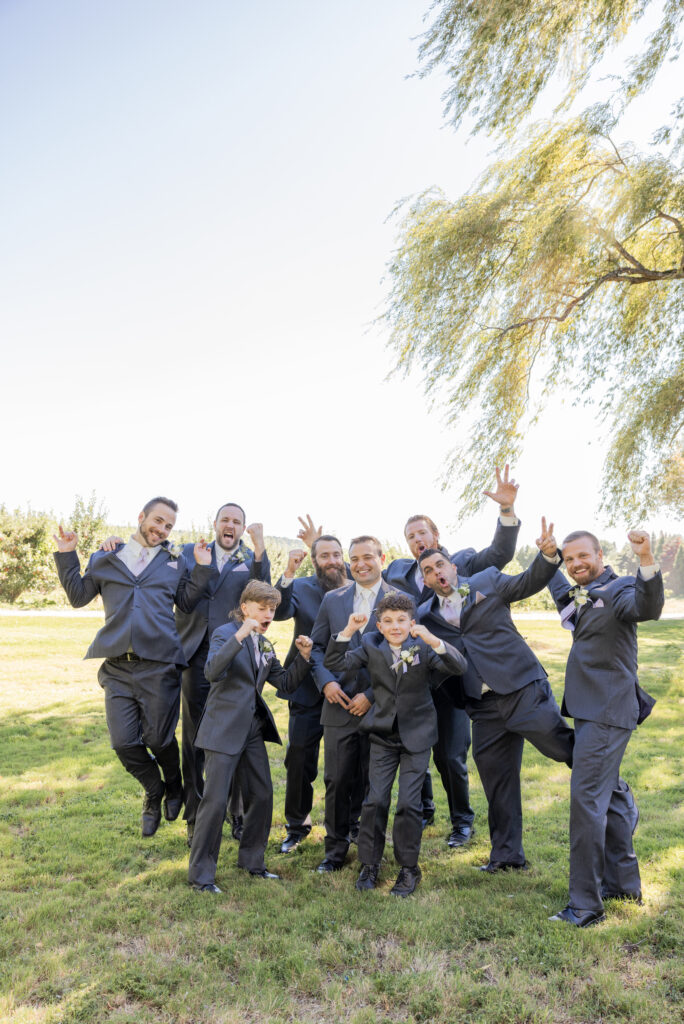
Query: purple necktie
pixel 142 561
pixel 450 612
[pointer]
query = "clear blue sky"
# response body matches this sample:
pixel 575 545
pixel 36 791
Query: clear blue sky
pixel 194 208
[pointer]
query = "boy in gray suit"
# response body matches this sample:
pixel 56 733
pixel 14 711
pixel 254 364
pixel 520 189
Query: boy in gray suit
pixel 402 724
pixel 233 729
pixel 603 696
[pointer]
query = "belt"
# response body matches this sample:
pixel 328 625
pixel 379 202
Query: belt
pixel 128 656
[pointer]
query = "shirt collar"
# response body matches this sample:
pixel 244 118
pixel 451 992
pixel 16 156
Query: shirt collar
pixel 360 591
pixel 135 547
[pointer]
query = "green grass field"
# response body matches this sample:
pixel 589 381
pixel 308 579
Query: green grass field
pixel 98 925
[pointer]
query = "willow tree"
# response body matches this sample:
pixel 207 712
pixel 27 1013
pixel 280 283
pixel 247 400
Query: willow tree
pixel 563 266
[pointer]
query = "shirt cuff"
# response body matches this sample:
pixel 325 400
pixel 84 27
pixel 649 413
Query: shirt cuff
pixel 285 582
pixel 554 561
pixel 647 572
pixel 507 520
pixel 441 649
pixel 341 639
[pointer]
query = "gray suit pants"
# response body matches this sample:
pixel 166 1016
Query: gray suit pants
pixel 501 724
pixel 142 705
pixel 386 755
pixel 603 816
pixel 251 771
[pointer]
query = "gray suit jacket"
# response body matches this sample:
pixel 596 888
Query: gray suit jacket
pixel 601 682
pixel 497 655
pixel 402 698
pixel 333 615
pixel 138 609
pixel 220 597
pixel 235 692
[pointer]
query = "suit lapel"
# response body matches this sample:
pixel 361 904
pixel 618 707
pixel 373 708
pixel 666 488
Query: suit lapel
pixel 250 649
pixel 161 558
pixel 113 559
pixel 606 576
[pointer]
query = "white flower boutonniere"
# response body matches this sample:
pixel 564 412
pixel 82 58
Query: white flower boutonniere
pixel 174 552
pixel 411 656
pixel 463 590
pixel 580 595
pixel 266 647
pixel 240 555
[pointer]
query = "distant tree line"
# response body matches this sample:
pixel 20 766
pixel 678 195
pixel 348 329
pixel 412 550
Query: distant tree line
pixel 26 545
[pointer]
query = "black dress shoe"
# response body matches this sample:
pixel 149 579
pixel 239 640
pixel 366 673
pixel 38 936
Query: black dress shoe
pixel 632 897
pixel 459 836
pixel 190 825
pixel 407 880
pixel 428 818
pixel 501 865
pixel 580 919
pixel 329 865
pixel 354 832
pixel 173 800
pixel 368 878
pixel 151 814
pixel 263 873
pixel 292 841
pixel 209 887
pixel 236 826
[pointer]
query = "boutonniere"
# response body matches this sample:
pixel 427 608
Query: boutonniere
pixel 265 646
pixel 241 554
pixel 580 595
pixel 174 552
pixel 463 590
pixel 411 656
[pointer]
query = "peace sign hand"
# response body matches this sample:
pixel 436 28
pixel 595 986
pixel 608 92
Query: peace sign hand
pixel 308 533
pixel 547 542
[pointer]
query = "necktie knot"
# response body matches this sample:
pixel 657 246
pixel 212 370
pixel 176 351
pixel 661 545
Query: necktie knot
pixel 143 558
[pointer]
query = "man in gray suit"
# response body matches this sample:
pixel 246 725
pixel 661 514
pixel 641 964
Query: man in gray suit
pixel 139 583
pixel 233 565
pixel 348 696
pixel 506 692
pixel 603 696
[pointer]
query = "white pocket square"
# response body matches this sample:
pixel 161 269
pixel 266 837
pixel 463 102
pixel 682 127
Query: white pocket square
pixel 479 597
pixel 599 603
pixel 172 565
pixel 241 568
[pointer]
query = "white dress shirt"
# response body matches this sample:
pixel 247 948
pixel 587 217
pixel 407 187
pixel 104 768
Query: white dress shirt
pixel 130 553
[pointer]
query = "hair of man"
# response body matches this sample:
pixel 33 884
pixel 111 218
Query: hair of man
pixel 147 508
pixel 432 551
pixel 324 536
pixel 366 538
pixel 395 602
pixel 426 519
pixel 578 534
pixel 232 504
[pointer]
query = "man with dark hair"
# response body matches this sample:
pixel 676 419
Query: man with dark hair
pixel 139 582
pixel 233 565
pixel 301 600
pixel 348 695
pixel 603 696
pixel 451 749
pixel 506 692
pixel 401 724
